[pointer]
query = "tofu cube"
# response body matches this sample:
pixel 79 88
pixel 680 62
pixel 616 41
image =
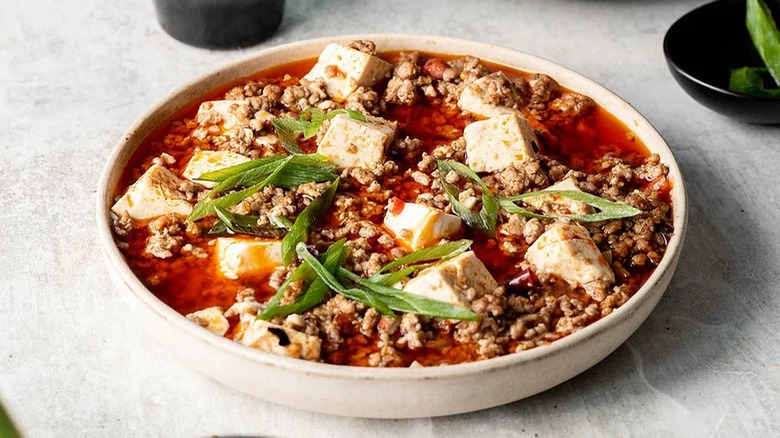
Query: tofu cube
pixel 212 318
pixel 419 226
pixel 557 204
pixel 283 341
pixel 566 251
pixel 209 161
pixel 247 257
pixel 156 193
pixel 345 69
pixel 352 143
pixel 499 142
pixel 474 98
pixel 457 281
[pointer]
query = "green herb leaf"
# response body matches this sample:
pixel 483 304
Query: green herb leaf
pixel 206 206
pixel 308 123
pixel 401 301
pixel 365 297
pixel 306 220
pixel 281 222
pixel 300 169
pixel 487 217
pixel 230 223
pixel 416 261
pixel 286 129
pixel 220 175
pixel 765 35
pixel 608 209
pixel 315 292
pixel 748 80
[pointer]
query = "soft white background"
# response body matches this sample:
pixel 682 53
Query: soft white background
pixel 75 74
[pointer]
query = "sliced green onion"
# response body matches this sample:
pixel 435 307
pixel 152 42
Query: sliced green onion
pixel 433 253
pixel 608 209
pixel 308 123
pixel 314 293
pixel 306 220
pixel 485 220
pixel 206 206
pixel 220 175
pixel 411 303
pixel 365 297
pixel 286 129
pixel 300 169
pixel 230 223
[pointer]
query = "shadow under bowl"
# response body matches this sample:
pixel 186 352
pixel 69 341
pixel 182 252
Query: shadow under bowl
pixel 703 46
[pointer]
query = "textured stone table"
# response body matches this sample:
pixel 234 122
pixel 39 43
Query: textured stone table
pixel 73 76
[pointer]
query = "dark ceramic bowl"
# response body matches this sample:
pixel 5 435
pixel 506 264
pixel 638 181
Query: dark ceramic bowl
pixel 219 24
pixel 702 47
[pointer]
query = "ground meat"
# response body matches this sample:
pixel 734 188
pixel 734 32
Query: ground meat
pixel 520 178
pixel 532 230
pixel 122 224
pixel 165 238
pixel 411 331
pixel 271 202
pixel 407 147
pixel 190 190
pixel 491 303
pixel 366 101
pixel 364 46
pixel 409 83
pixel 543 90
pixel 251 88
pixel 514 226
pixel 306 94
pixel 572 105
pixel 651 169
pixel 401 91
pixel 500 91
pixel 369 322
pixel 455 150
pixel 471 68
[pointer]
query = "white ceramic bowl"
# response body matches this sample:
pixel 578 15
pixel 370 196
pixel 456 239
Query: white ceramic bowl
pixel 372 392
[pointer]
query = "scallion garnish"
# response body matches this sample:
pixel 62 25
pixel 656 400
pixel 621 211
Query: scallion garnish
pixel 608 209
pixel 308 124
pixel 401 301
pixel 326 273
pixel 281 171
pixel 206 206
pixel 305 221
pixel 418 260
pixel 314 293
pixel 365 297
pixel 299 169
pixel 487 217
pixel 230 223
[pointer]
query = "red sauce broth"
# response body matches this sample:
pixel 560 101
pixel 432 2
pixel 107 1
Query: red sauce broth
pixel 188 283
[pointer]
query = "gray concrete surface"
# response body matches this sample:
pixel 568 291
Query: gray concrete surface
pixel 73 76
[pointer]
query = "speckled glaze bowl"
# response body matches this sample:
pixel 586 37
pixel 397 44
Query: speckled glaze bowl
pixel 393 392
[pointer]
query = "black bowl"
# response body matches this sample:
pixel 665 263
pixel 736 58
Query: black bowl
pixel 704 45
pixel 219 24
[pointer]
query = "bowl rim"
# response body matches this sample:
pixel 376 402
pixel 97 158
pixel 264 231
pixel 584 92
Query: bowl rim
pixel 117 263
pixel 671 60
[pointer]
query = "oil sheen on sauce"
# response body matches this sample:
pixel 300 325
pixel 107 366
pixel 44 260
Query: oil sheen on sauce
pixel 188 283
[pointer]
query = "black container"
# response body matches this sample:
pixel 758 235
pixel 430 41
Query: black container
pixel 219 24
pixel 704 45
